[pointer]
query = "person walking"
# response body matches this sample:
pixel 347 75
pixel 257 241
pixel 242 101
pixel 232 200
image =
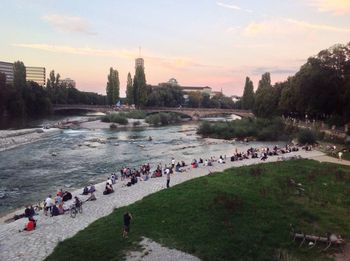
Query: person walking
pixel 340 155
pixel 167 173
pixel 126 220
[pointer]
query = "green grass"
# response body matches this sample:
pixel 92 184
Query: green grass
pixel 241 214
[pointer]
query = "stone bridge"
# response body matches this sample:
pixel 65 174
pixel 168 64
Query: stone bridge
pixel 193 113
pixel 196 113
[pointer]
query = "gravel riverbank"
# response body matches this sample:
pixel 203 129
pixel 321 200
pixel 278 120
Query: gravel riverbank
pixel 50 231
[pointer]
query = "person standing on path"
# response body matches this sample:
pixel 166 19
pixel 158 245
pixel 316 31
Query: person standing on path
pixel 48 204
pixel 126 220
pixel 167 173
pixel 340 155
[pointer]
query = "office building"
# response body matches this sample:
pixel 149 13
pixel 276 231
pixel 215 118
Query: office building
pixel 7 69
pixel 36 74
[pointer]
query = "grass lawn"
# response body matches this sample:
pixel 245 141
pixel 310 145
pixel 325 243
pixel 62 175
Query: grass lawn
pixel 241 214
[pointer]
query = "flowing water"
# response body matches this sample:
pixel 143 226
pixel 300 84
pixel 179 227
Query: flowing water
pixel 72 159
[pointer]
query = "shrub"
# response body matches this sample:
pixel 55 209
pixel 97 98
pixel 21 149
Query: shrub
pixel 105 118
pixel 163 118
pixel 204 128
pixel 113 126
pixel 136 115
pixel 306 137
pixel 262 129
pixel 119 118
pixel 153 119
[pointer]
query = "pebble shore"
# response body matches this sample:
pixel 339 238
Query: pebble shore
pixel 38 244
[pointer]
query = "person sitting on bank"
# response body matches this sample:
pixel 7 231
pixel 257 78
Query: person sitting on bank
pixel 29 211
pixel 61 210
pixel 108 189
pixel 178 167
pixel 85 191
pixel 92 189
pixel 55 211
pixel 66 196
pixel 30 225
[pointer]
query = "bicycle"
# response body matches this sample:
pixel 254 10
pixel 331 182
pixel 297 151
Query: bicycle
pixel 74 209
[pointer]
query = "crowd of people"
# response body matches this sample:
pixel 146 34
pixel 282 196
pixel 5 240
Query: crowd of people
pixel 130 176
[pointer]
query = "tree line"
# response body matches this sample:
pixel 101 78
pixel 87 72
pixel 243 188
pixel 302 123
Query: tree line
pixel 22 98
pixel 141 94
pixel 319 90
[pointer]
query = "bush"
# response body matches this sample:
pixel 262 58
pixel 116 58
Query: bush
pixel 135 115
pixel 163 118
pixel 105 118
pixel 119 118
pixel 261 129
pixel 306 137
pixel 153 119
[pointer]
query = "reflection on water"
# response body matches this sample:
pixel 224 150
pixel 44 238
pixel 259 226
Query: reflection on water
pixel 30 172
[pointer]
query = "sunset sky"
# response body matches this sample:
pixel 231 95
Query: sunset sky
pixel 198 42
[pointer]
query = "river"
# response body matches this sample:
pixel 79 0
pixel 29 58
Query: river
pixel 30 172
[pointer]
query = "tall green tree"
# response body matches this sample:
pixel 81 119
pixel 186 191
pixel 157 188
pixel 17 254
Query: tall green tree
pixel 248 95
pixel 194 99
pixel 52 86
pixel 140 89
pixel 3 93
pixel 264 105
pixel 129 90
pixel 113 86
pixel 166 95
pixel 19 75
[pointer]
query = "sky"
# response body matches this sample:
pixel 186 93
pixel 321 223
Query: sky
pixel 214 43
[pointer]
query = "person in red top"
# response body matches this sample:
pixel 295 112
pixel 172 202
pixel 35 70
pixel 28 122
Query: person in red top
pixel 60 193
pixel 30 225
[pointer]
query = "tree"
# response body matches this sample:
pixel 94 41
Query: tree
pixel 3 93
pixel 205 101
pixel 19 75
pixel 52 86
pixel 140 88
pixel 165 95
pixel 194 99
pixel 129 90
pixel 113 85
pixel 248 95
pixel 265 104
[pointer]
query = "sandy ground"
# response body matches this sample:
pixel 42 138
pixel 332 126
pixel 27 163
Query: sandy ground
pixel 10 139
pixel 38 244
pixel 325 158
